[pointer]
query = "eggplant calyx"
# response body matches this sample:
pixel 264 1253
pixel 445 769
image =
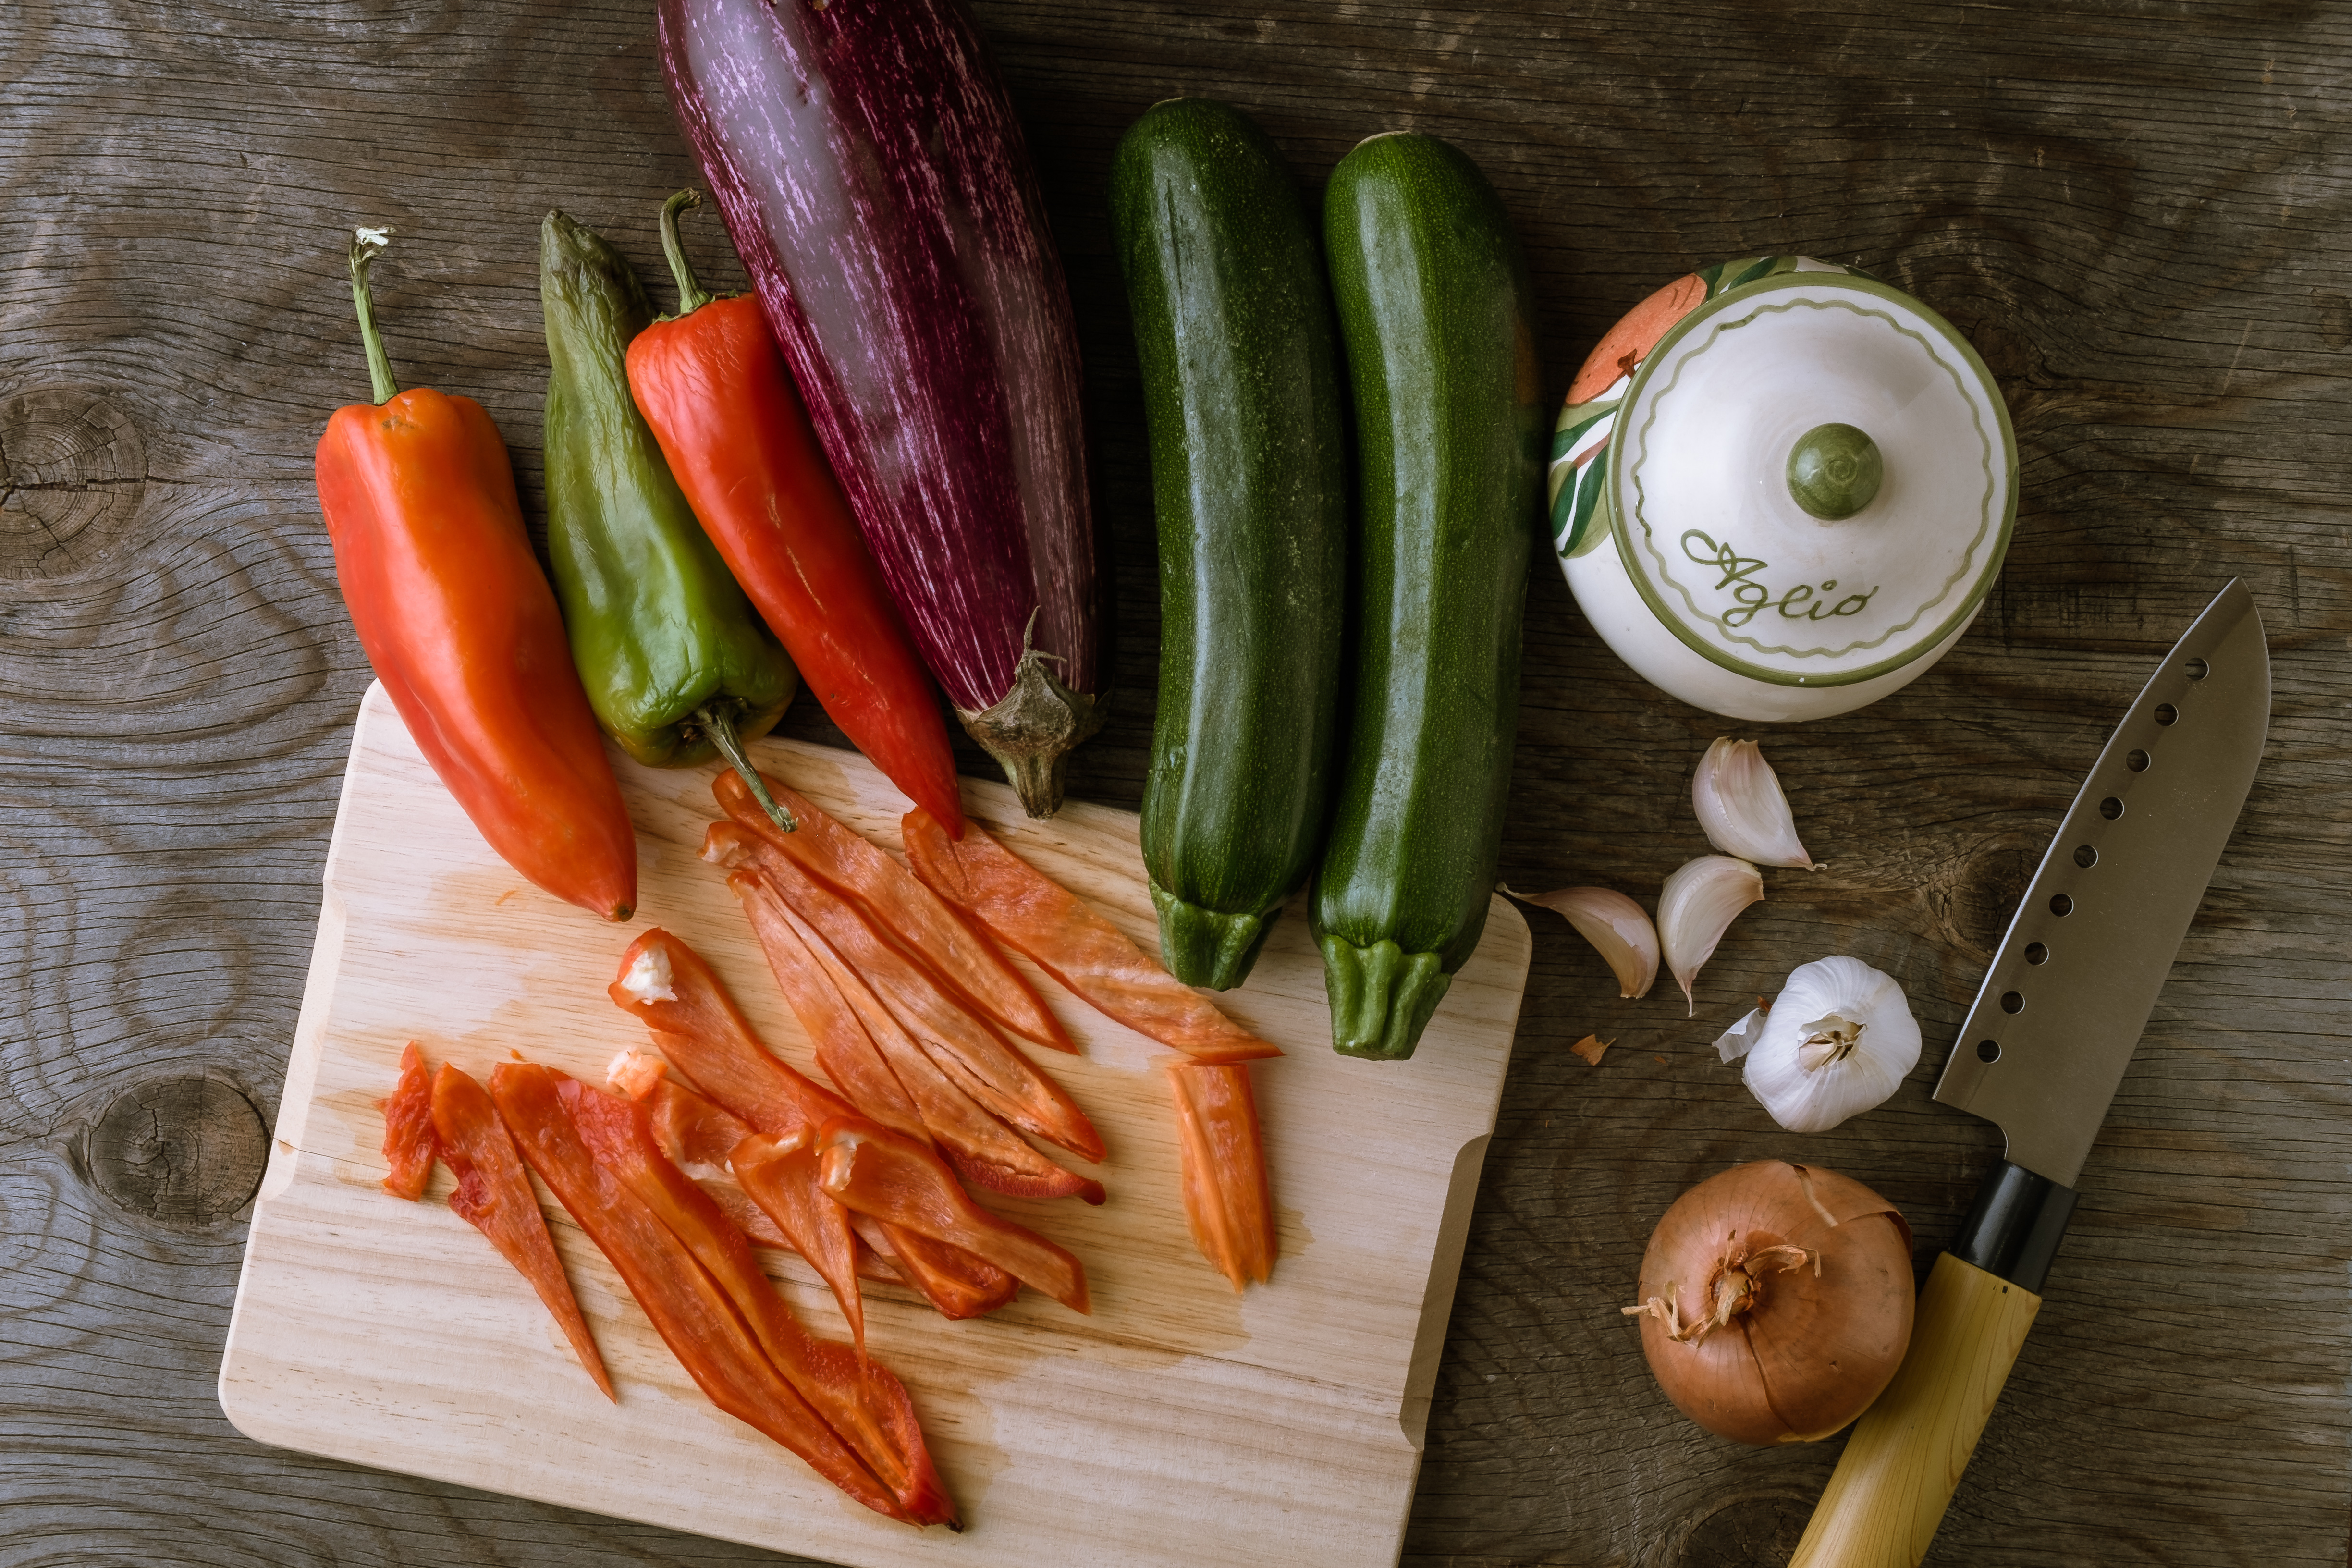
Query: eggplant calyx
pixel 1030 730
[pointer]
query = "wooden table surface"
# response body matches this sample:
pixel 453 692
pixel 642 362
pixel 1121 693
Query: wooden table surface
pixel 2137 214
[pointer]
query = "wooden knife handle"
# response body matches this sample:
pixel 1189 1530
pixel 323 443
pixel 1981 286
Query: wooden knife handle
pixel 1905 1458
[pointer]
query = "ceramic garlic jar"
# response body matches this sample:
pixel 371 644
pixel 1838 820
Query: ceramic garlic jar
pixel 1781 489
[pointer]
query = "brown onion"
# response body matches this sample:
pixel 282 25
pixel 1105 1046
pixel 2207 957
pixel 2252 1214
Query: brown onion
pixel 1776 1301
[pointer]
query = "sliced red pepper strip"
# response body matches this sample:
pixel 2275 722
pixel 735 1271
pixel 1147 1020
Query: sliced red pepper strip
pixel 1227 1201
pixel 918 920
pixel 781 1175
pixel 986 1065
pixel 408 1128
pixel 982 1149
pixel 689 1307
pixel 493 1195
pixel 664 986
pixel 1077 947
pixel 874 1171
pixel 854 1394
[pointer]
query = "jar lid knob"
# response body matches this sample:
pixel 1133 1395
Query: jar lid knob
pixel 1834 472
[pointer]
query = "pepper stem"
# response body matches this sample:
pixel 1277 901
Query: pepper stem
pixel 691 295
pixel 719 725
pixel 365 244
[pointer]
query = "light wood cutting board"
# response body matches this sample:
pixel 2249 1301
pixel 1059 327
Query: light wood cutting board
pixel 1180 1424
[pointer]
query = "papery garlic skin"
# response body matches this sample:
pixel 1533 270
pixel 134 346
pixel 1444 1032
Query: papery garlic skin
pixel 1739 801
pixel 1848 1020
pixel 1696 906
pixel 1615 926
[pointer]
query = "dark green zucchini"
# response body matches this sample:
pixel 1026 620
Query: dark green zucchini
pixel 1434 313
pixel 1243 393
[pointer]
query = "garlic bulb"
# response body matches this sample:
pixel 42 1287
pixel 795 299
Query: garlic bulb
pixel 1615 926
pixel 1739 801
pixel 1695 908
pixel 1836 1041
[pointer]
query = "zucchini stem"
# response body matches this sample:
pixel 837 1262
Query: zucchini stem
pixel 366 243
pixel 718 723
pixel 691 295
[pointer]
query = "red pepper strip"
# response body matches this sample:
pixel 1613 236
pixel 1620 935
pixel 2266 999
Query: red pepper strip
pixel 902 907
pixel 848 1390
pixel 982 1149
pixel 707 1036
pixel 846 1051
pixel 874 1171
pixel 688 1309
pixel 713 386
pixel 1226 1199
pixel 1069 941
pixel 781 1175
pixel 456 615
pixel 984 1065
pixel 493 1195
pixel 408 1129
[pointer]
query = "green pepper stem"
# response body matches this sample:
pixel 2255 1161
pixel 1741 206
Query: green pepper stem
pixel 719 725
pixel 365 244
pixel 691 295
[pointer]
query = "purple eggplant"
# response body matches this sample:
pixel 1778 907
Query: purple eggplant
pixel 874 182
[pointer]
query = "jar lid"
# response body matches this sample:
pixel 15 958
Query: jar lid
pixel 1809 476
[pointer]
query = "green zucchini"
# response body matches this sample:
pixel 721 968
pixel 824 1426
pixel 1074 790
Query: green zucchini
pixel 1242 396
pixel 1434 313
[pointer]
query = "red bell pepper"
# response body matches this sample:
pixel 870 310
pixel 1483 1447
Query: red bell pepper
pixel 1226 1199
pixel 899 905
pixel 462 629
pixel 876 1171
pixel 1091 957
pixel 408 1128
pixel 688 1307
pixel 983 1063
pixel 494 1196
pixel 859 1399
pixel 712 385
pixel 982 1149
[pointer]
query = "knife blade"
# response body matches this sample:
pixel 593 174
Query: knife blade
pixel 2041 1055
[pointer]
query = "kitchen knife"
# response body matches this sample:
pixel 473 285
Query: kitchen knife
pixel 2053 1029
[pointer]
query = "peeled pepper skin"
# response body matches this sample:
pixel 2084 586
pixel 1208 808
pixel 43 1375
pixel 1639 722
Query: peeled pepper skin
pixel 657 624
pixel 459 624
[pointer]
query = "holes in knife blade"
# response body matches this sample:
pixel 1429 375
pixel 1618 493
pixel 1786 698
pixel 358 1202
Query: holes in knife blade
pixel 2036 954
pixel 2196 670
pixel 1988 1050
pixel 2111 808
pixel 2166 713
pixel 2085 857
pixel 2011 1001
pixel 2138 761
pixel 2060 904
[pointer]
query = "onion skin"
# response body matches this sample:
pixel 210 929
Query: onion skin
pixel 1813 1352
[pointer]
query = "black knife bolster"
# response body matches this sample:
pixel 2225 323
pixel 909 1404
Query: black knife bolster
pixel 2015 1228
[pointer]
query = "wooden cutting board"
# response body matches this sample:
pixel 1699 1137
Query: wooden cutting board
pixel 1180 1424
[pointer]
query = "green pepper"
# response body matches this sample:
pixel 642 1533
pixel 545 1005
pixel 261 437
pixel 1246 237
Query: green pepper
pixel 676 661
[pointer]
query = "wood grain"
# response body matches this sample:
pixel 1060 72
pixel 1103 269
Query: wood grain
pixel 1177 1422
pixel 2141 217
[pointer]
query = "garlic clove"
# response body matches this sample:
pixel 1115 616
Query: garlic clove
pixel 1616 927
pixel 1739 801
pixel 1838 1041
pixel 1695 908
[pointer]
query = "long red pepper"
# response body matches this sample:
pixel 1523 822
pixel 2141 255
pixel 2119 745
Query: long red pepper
pixel 462 629
pixel 712 385
pixel 688 1307
pixel 862 1401
pixel 876 1171
pixel 494 1196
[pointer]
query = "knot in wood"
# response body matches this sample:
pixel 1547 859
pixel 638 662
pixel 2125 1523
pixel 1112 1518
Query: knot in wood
pixel 188 1152
pixel 73 473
